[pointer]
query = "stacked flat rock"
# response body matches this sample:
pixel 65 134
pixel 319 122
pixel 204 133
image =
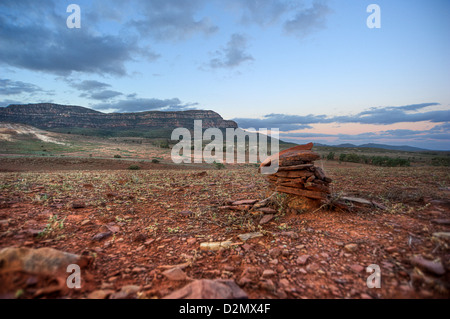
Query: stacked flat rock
pixel 297 174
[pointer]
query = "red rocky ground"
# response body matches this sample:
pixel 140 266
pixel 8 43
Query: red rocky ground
pixel 134 225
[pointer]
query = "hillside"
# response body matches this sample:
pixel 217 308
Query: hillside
pixel 63 118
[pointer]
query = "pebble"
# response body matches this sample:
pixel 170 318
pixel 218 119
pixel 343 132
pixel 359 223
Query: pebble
pixel 191 241
pixel 434 267
pixel 357 268
pixel 351 247
pixel 275 252
pixel 267 285
pixel 268 273
pixel 302 260
pixel 266 219
pixel 175 274
pixel 100 294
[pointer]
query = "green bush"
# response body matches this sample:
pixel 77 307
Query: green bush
pixel 164 144
pixel 384 161
pixel 134 167
pixel 218 165
pixel 155 161
pixel 330 156
pixel 117 156
pixel 440 161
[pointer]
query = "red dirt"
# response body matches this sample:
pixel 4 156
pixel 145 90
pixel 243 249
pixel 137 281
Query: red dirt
pixel 146 206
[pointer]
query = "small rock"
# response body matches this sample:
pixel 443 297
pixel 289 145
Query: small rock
pixel 275 252
pixel 141 237
pixel 266 219
pixel 209 289
pixel 357 268
pixel 267 285
pixel 112 228
pixel 267 210
pixel 268 273
pixel 351 248
pixel 245 237
pixel 85 222
pixel 302 260
pixel 285 284
pixel 138 269
pixel 78 205
pixel 443 235
pixel 101 236
pixel 215 245
pixel 46 261
pixel 291 234
pixel 244 202
pixel 391 249
pixel 175 274
pixel 126 292
pixel 191 241
pixel 100 294
pixel 280 269
pixel 431 266
pixel 441 221
pixel 274 262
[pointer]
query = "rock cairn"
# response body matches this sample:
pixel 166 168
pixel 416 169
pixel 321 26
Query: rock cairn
pixel 297 174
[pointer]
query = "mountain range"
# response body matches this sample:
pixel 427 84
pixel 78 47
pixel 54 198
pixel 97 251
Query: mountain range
pixel 50 116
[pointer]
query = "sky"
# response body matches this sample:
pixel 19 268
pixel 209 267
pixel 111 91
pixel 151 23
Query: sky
pixel 313 69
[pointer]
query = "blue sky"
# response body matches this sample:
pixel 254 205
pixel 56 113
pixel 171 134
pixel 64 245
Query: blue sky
pixel 311 68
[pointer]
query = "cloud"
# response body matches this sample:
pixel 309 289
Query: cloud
pixel 392 115
pixel 10 87
pixel 7 102
pixel 102 95
pixel 145 104
pixel 307 21
pixel 52 47
pixel 429 139
pixel 381 116
pixel 270 122
pixel 233 54
pixel 95 90
pixel 172 20
pixel 435 138
pixel 261 12
pixel 90 85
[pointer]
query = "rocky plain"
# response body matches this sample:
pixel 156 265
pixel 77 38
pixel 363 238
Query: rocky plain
pixel 165 232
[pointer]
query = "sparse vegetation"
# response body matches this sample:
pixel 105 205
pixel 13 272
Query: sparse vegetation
pixel 218 165
pixel 384 161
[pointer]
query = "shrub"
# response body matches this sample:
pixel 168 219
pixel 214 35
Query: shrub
pixel 117 156
pixel 218 165
pixel 330 156
pixel 440 161
pixel 155 161
pixel 164 144
pixel 134 167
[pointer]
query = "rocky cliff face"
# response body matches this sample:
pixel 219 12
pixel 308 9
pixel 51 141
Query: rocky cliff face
pixel 48 116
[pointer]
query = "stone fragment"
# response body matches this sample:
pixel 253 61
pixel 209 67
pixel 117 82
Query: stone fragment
pixel 209 289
